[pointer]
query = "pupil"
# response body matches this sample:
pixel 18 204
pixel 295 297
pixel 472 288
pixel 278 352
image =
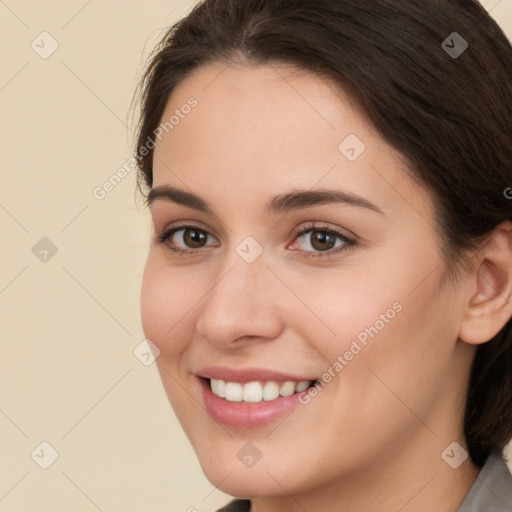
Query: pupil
pixel 322 238
pixel 195 238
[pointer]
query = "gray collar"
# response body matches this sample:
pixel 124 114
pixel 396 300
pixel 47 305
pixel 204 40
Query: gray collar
pixel 492 490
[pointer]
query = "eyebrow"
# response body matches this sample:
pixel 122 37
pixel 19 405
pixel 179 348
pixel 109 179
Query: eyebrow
pixel 283 203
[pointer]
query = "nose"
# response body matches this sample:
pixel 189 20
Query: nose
pixel 242 306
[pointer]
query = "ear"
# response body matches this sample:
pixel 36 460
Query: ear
pixel 490 306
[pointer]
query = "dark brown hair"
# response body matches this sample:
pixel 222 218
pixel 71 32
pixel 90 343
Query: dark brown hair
pixel 448 113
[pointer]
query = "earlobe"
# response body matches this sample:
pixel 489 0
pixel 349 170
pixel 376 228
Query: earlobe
pixel 490 306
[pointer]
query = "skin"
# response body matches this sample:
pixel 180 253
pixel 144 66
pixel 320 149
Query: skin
pixel 372 439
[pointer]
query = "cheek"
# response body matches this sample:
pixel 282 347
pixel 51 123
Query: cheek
pixel 346 305
pixel 165 301
pixel 394 317
pixel 401 354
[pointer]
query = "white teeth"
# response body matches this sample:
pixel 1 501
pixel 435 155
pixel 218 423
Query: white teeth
pixel 234 392
pixel 302 386
pixel 221 388
pixel 256 391
pixel 252 392
pixel 271 390
pixel 287 388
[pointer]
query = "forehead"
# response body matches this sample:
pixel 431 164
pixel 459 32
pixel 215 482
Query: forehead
pixel 251 104
pixel 271 127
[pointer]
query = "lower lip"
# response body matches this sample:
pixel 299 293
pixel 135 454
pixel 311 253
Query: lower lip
pixel 246 414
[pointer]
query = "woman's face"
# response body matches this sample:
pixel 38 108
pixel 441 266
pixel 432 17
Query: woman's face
pixel 365 312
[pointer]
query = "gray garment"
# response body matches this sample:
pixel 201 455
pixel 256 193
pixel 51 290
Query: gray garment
pixel 491 491
pixel 236 506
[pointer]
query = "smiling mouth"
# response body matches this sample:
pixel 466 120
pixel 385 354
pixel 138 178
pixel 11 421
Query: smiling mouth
pixel 256 391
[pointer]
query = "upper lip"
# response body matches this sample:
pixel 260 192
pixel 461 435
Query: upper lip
pixel 244 375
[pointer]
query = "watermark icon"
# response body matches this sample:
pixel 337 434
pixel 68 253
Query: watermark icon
pixel 249 455
pixel 352 147
pixel 44 45
pixel 44 455
pixel 146 352
pixel 101 191
pixel 508 192
pixel 454 45
pixel 44 250
pixel 249 249
pixel 355 348
pixel 454 455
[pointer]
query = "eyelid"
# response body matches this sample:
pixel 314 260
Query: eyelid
pixel 323 226
pixel 348 241
pixel 169 231
pixel 182 225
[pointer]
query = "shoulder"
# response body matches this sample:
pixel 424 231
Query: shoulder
pixel 236 506
pixel 492 490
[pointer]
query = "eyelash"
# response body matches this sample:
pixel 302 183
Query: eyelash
pixel 349 243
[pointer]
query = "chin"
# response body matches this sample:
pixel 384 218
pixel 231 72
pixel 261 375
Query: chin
pixel 246 483
pixel 267 478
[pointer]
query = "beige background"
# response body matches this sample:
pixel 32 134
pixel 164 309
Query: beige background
pixel 70 325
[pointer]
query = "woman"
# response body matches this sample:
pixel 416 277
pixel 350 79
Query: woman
pixel 329 281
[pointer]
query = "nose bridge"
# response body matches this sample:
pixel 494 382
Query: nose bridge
pixel 244 266
pixel 240 302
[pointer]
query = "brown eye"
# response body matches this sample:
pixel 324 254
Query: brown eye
pixel 194 238
pixel 190 238
pixel 323 239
